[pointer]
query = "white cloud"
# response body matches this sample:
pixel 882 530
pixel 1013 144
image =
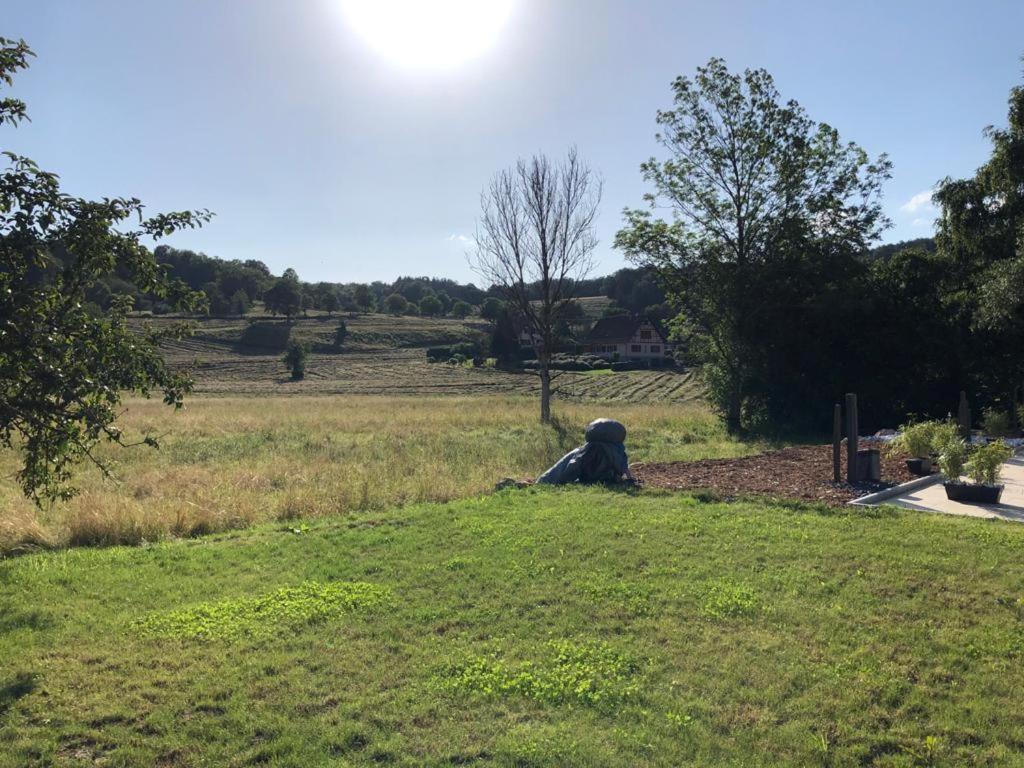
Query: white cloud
pixel 921 223
pixel 460 239
pixel 920 201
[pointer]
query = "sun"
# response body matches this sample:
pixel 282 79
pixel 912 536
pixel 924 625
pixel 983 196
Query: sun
pixel 428 34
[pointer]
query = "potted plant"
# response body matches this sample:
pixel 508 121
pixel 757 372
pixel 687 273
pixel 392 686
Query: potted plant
pixel 982 467
pixel 918 440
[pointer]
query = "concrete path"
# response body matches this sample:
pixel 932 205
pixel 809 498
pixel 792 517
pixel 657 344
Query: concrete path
pixel 933 497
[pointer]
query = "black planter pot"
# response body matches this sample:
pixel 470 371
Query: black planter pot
pixel 919 466
pixel 972 493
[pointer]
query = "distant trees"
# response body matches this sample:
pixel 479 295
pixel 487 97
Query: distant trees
pixel 461 309
pixel 536 226
pixel 363 297
pixel 65 362
pixel 240 303
pixel 284 297
pixel 492 309
pixel 430 306
pixel 330 302
pixel 396 304
pixel 770 214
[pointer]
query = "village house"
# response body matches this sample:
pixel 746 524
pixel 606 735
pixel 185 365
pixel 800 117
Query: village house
pixel 629 338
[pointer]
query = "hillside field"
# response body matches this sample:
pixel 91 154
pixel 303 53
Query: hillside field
pixel 529 628
pixel 387 355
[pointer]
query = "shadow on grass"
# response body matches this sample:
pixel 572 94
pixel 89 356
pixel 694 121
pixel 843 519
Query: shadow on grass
pixel 21 685
pixel 36 620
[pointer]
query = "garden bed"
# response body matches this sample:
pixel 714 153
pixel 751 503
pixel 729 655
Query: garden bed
pixel 800 472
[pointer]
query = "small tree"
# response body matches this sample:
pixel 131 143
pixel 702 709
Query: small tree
pixel 504 340
pixel 284 298
pixel 535 242
pixel 396 304
pixel 340 334
pixel 430 306
pixel 492 309
pixel 295 359
pixel 240 303
pixel 363 297
pixel 330 303
pixel 462 309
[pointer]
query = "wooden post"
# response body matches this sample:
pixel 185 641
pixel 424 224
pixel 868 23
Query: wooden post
pixel 852 442
pixel 837 439
pixel 963 416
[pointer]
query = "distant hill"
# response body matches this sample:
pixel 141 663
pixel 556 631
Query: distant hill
pixel 885 252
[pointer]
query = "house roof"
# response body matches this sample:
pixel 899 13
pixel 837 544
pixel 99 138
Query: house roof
pixel 621 328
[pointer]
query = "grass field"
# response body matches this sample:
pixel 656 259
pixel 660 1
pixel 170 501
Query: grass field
pixel 387 355
pixel 227 462
pixel 528 628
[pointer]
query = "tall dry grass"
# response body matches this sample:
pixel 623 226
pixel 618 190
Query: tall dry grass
pixel 230 462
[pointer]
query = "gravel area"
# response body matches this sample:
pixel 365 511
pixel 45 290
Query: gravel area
pixel 800 472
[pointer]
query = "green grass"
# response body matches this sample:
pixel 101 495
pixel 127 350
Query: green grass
pixel 529 628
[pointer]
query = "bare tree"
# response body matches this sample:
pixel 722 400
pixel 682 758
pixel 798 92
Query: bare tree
pixel 535 241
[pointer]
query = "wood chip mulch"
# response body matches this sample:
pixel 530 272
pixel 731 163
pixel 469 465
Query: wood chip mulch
pixel 801 472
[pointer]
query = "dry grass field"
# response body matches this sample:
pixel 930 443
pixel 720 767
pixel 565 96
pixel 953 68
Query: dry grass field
pixel 228 462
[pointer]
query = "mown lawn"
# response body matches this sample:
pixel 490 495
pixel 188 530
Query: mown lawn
pixel 528 628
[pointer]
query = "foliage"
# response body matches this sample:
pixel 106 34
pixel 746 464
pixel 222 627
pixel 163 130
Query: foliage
pixel 983 466
pixel 396 304
pixel 996 423
pixel 726 599
pixel 504 338
pixel 272 336
pixel 286 608
pixel 64 365
pixel 340 334
pixel 461 309
pixel 770 213
pixel 284 297
pixel 915 439
pixel 952 452
pixel 295 359
pixel 493 308
pixel 431 306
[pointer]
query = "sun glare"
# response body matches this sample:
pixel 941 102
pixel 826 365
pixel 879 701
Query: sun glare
pixel 428 34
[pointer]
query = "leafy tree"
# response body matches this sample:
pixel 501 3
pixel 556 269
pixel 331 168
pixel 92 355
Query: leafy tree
pixel 295 359
pixel 504 339
pixel 363 297
pixel 492 308
pixel 757 191
pixel 284 298
pixel 396 304
pixel 63 369
pixel 308 303
pixel 462 309
pixel 430 306
pixel 330 302
pixel 340 334
pixel 446 302
pixel 216 304
pixel 240 303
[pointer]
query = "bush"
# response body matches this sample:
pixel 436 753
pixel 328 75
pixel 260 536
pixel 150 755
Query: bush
pixel 952 452
pixel 996 423
pixel 915 439
pixel 295 359
pixel 983 468
pixel 340 334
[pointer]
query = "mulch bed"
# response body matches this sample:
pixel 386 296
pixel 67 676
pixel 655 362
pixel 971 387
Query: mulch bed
pixel 801 472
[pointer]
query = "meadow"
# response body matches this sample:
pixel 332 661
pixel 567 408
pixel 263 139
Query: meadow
pixel 535 627
pixel 229 462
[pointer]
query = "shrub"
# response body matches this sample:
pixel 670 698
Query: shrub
pixel 915 439
pixel 295 359
pixel 984 465
pixel 996 423
pixel 340 334
pixel 952 454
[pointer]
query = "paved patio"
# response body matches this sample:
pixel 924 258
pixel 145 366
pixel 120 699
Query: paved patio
pixel 932 498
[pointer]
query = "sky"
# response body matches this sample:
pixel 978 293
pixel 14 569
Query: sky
pixel 355 149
